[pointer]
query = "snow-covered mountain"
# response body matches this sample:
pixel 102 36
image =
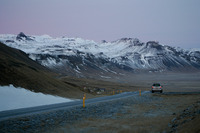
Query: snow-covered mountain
pixel 76 56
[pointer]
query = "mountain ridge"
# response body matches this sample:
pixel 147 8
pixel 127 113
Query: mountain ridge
pixel 76 56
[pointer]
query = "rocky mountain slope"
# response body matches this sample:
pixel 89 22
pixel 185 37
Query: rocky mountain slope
pixel 18 69
pixel 85 58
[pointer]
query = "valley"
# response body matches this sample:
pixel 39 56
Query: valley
pixel 72 67
pixel 99 66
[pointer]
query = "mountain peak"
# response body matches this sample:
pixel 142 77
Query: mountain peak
pixel 103 41
pixel 154 44
pixel 22 36
pixel 128 39
pixel 79 55
pixel 132 41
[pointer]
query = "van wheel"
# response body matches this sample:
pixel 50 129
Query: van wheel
pixel 152 91
pixel 161 91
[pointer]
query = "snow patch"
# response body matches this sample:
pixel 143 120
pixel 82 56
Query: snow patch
pixel 15 98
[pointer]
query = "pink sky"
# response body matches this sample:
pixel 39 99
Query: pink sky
pixel 171 22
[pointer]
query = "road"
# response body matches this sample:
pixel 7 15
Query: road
pixel 40 109
pixel 122 112
pixel 53 107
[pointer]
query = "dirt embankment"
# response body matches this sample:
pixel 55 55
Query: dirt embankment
pixel 188 120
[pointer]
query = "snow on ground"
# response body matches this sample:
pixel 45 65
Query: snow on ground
pixel 15 98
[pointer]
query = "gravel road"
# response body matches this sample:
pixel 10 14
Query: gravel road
pixel 55 120
pixel 41 122
pixel 46 108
